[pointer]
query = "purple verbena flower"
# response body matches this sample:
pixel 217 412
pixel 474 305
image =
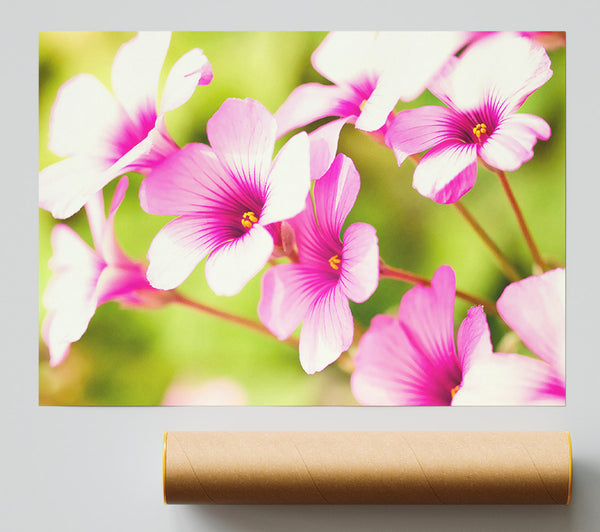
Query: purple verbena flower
pixel 371 71
pixel 483 90
pixel 104 136
pixel 330 272
pixel 414 360
pixel 228 198
pixel 85 278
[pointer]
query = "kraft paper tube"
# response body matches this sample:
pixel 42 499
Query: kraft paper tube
pixel 367 467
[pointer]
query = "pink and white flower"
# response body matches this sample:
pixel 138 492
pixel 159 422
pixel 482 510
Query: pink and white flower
pixel 228 198
pixel 85 278
pixel 535 309
pixel 414 360
pixel 370 72
pixel 483 90
pixel 330 272
pixel 104 136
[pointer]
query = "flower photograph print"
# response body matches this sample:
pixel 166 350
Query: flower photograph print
pixel 302 218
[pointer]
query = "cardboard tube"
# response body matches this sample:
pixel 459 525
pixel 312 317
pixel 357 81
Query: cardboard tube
pixel 367 467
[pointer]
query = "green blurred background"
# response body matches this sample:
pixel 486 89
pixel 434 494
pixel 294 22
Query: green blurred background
pixel 132 357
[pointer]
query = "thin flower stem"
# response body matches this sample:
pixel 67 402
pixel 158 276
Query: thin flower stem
pixel 515 206
pixel 238 320
pixel 503 262
pixel 505 266
pixel 389 272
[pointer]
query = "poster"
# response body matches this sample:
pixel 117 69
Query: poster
pixel 306 219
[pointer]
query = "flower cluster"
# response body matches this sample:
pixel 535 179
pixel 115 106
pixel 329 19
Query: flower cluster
pixel 250 210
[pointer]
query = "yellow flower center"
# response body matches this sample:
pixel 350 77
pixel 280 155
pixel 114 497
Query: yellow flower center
pixel 454 390
pixel 249 219
pixel 334 262
pixel 479 130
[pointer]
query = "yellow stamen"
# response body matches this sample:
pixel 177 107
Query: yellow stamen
pixel 249 219
pixel 334 262
pixel 454 390
pixel 480 129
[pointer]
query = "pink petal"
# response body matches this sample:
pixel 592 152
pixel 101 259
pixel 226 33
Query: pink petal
pixel 153 147
pixel 335 194
pixel 473 339
pixel 313 248
pixel 191 70
pixel 176 250
pixel 110 250
pixel 417 130
pixel 136 70
pixel 360 264
pixel 390 370
pixel 535 309
pixel 506 65
pixel 447 172
pixel 310 102
pixel 327 331
pixel 70 296
pixel 234 263
pixel 288 182
pixel 117 281
pixel 323 146
pixel 511 143
pixel 345 56
pixel 180 183
pixel 84 119
pixel 427 316
pixel 408 61
pixel 284 283
pixel 242 134
pixel 65 186
pixel 510 379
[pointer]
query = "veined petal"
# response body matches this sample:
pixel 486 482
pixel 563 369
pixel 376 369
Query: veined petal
pixel 535 309
pixel 345 56
pixel 390 370
pixel 473 340
pixel 242 134
pixel 409 60
pixel 65 186
pixel 288 182
pixel 313 247
pixel 234 263
pixel 189 181
pixel 447 172
pixel 360 263
pixel 190 70
pixel 135 73
pixel 177 248
pixel 84 119
pixel 335 194
pixel 310 102
pixel 510 379
pixel 417 130
pixel 327 331
pixel 427 317
pixel 506 66
pixel 284 283
pixel 511 143
pixel 323 146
